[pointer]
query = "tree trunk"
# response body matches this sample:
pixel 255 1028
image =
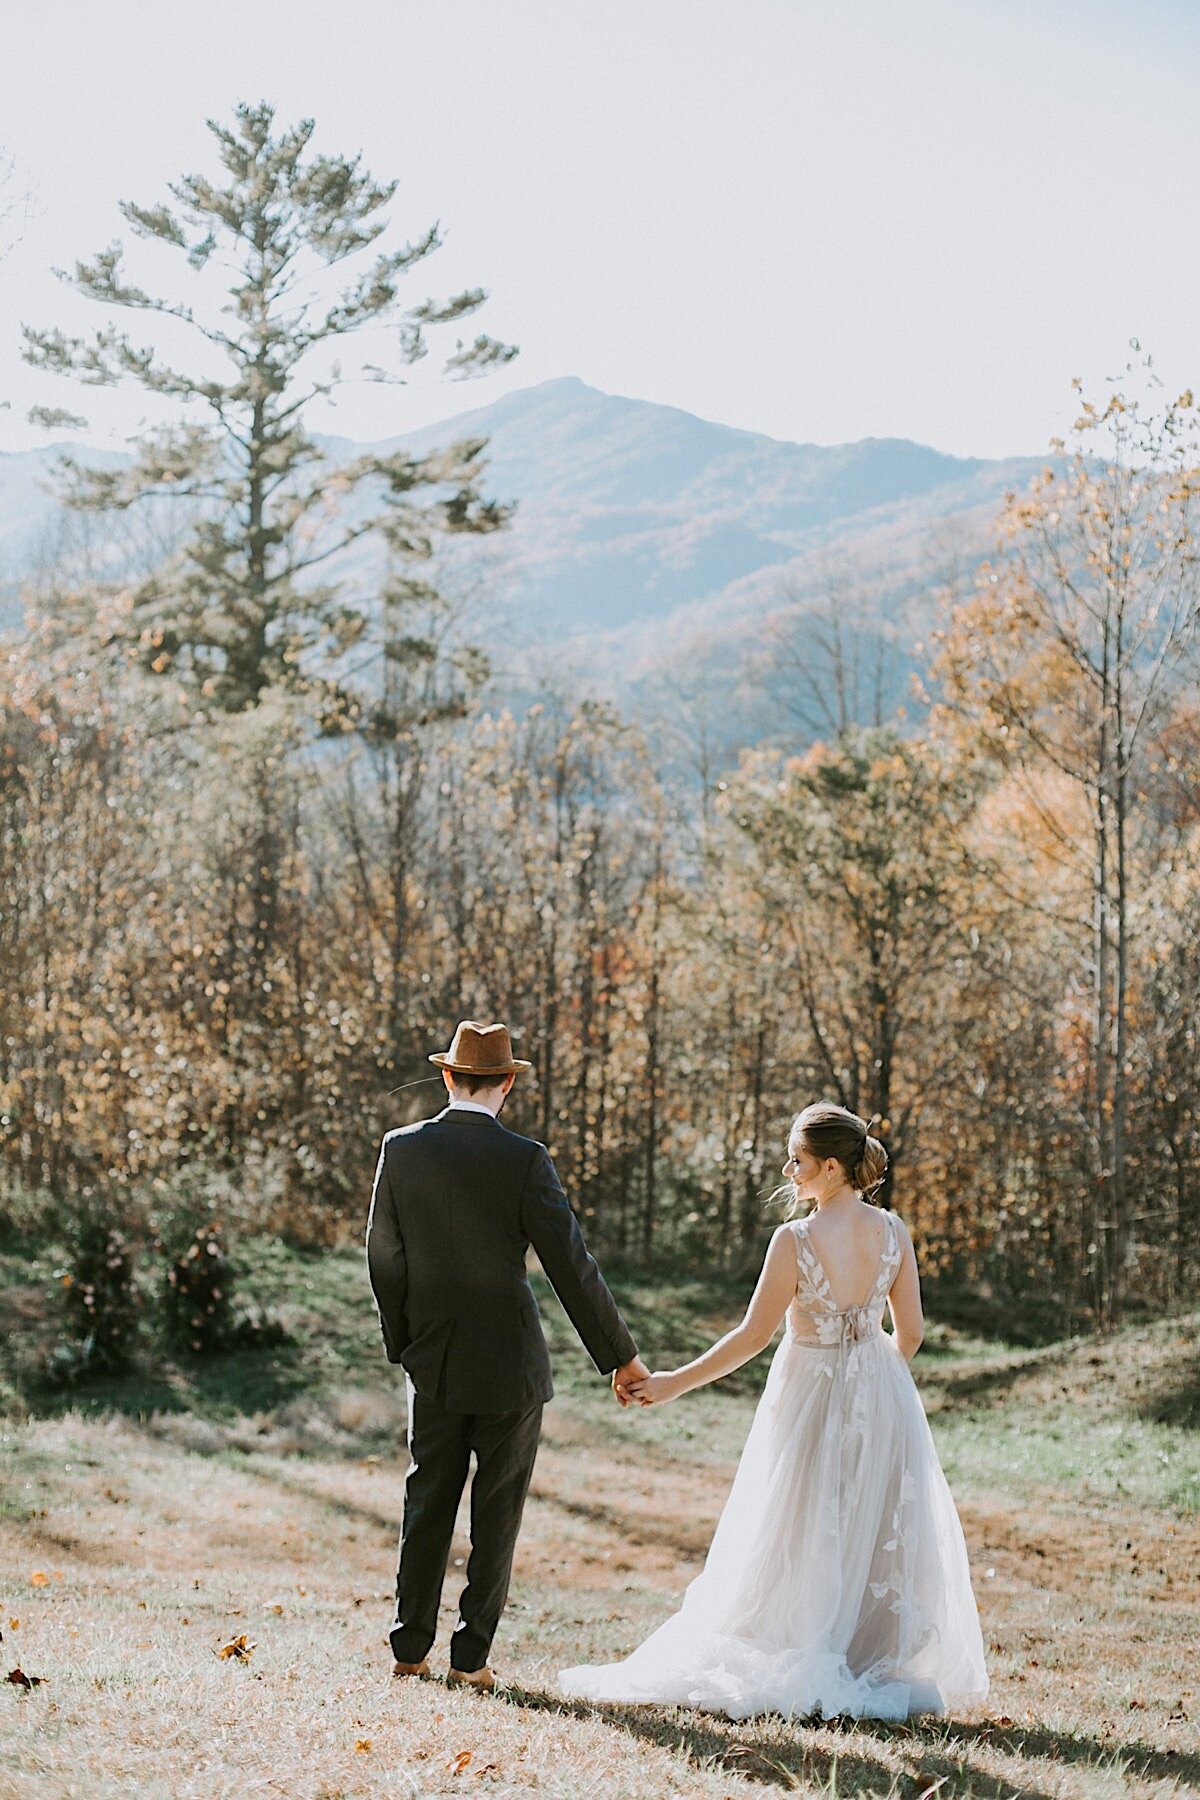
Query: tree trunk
pixel 1122 1234
pixel 1098 1247
pixel 650 1143
pixel 751 1210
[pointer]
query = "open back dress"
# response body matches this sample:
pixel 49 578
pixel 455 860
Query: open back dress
pixel 837 1581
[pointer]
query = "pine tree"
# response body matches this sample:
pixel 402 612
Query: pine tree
pixel 251 599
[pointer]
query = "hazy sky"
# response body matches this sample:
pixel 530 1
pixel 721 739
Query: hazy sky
pixel 821 219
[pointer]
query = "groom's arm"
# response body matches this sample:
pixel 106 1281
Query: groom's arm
pixel 386 1263
pixel 571 1270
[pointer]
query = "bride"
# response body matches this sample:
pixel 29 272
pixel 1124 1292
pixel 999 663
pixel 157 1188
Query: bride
pixel 837 1580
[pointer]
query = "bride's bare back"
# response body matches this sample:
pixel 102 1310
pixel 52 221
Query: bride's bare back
pixel 849 1241
pixel 853 1245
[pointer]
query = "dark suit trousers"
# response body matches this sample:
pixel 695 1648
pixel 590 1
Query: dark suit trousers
pixel 440 1444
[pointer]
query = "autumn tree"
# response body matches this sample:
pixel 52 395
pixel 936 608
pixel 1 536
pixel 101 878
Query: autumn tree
pixel 1165 1025
pixel 76 864
pixel 829 669
pixel 544 848
pixel 1059 670
pixel 855 862
pixel 730 1069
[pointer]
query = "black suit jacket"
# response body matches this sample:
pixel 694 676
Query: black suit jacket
pixel 458 1199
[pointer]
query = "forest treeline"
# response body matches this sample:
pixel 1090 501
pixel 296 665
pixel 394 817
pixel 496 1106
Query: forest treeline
pixel 265 836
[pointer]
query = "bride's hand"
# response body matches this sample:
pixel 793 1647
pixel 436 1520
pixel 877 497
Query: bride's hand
pixel 652 1390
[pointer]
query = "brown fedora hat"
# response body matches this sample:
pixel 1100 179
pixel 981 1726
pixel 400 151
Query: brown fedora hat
pixel 479 1050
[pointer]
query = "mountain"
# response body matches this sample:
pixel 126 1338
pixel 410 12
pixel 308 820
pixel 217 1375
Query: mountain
pixel 30 515
pixel 628 510
pixel 643 534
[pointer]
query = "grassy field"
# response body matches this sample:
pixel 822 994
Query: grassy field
pixel 148 1524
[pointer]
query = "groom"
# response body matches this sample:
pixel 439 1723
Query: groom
pixel 458 1199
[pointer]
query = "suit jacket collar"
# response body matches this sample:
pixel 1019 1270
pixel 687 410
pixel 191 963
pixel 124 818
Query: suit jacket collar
pixel 458 1115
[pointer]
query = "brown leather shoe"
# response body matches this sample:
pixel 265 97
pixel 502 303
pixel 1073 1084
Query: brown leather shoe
pixel 482 1680
pixel 420 1669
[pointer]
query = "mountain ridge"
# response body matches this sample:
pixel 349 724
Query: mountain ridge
pixel 630 514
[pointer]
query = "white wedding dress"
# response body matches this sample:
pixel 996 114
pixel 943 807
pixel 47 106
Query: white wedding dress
pixel 837 1581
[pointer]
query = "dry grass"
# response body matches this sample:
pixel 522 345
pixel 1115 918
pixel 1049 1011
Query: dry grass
pixel 163 1539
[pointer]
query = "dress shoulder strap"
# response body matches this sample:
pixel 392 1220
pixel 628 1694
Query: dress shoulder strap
pixel 811 1279
pixel 891 1251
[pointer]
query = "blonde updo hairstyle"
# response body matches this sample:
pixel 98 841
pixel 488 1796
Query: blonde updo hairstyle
pixel 825 1130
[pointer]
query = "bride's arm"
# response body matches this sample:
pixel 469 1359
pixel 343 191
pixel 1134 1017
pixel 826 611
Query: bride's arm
pixel 769 1302
pixel 904 1300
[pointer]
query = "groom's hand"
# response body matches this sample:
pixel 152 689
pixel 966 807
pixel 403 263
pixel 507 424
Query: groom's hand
pixel 622 1378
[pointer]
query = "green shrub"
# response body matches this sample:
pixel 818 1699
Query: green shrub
pixel 100 1300
pixel 197 1299
pixel 197 1312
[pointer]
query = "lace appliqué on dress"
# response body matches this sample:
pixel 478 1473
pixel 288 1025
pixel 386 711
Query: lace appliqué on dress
pixel 815 1317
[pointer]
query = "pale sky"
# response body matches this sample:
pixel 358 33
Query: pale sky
pixel 820 219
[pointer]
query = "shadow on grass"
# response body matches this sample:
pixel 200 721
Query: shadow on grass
pixel 738 1748
pixel 1026 1320
pixel 322 1299
pixel 994 1381
pixel 1073 1747
pixel 933 1749
pixel 1177 1402
pixel 633 1528
pixel 237 1383
pixel 777 1755
pixel 352 1510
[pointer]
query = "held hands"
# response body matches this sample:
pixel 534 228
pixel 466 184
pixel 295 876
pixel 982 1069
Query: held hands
pixel 625 1376
pixel 652 1390
pixel 634 1384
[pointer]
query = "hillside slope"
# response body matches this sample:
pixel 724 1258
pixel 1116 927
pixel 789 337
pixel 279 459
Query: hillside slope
pixel 629 510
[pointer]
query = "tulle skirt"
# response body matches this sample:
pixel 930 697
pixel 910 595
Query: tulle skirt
pixel 837 1582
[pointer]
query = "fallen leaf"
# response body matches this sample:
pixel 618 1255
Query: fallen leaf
pixel 458 1763
pixel 18 1678
pixel 14 1624
pixel 361 1746
pixel 39 1578
pixel 238 1648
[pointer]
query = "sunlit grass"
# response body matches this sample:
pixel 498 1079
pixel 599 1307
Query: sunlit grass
pixel 141 1530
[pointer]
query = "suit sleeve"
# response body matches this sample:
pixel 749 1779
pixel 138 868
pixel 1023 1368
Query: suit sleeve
pixel 571 1270
pixel 386 1263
